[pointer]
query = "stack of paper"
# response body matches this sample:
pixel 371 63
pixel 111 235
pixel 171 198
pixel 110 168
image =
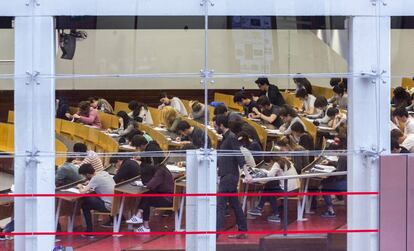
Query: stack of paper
pixel 160 129
pixel 72 190
pixel 323 169
pixel 175 169
pixel 273 131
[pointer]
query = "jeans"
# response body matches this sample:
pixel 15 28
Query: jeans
pixel 147 202
pixel 92 203
pixel 333 186
pixel 228 184
pixel 271 199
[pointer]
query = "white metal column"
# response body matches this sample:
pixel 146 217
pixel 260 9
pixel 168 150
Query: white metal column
pixel 34 131
pixel 368 123
pixel 201 211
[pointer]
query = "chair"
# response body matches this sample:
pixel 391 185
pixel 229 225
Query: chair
pixel 310 128
pixel 175 205
pixel 58 125
pixel 155 135
pixel 407 83
pixel 121 106
pixel 114 122
pixel 228 101
pixel 156 115
pixel 186 104
pixel 10 138
pixel 10 117
pixel 93 139
pixel 81 133
pixel 68 128
pixel 261 132
pixel 3 137
pixel 106 119
pixel 60 148
pixel 211 135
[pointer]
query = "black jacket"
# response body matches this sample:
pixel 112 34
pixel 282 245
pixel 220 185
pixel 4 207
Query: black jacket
pixel 275 97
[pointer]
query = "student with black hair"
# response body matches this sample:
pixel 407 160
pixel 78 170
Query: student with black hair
pixel 289 116
pixel 303 83
pixel 336 118
pixel 401 97
pixel 126 168
pixel 321 105
pixel 271 91
pixel 268 113
pixel 397 148
pixel 100 183
pixel 343 82
pixel 401 115
pixel 308 101
pixel 287 144
pixel 340 98
pixel 249 145
pixel 246 101
pixel 193 134
pixel 139 112
pixel 228 172
pixel 222 110
pixel 67 173
pixel 406 141
pixel 302 136
pixel 174 102
pixel 126 124
pixel 101 104
pixel 87 157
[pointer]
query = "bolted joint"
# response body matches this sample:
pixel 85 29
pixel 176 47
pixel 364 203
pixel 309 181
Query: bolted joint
pixel 33 3
pixel 203 2
pixel 32 77
pixel 32 157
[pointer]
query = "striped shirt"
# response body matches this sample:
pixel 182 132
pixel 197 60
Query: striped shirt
pixel 93 159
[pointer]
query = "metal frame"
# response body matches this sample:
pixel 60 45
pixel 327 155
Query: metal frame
pixel 35 50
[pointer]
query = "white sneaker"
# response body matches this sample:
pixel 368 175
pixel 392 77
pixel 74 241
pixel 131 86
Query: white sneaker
pixel 134 220
pixel 142 229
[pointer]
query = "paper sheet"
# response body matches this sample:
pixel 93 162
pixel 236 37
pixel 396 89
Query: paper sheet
pixel 72 190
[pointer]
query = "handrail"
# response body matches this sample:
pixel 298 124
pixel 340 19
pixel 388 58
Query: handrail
pixel 300 176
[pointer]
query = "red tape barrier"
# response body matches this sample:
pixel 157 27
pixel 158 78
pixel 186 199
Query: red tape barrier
pixel 190 194
pixel 321 231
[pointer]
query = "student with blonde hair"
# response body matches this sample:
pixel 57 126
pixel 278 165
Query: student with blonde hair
pixel 170 118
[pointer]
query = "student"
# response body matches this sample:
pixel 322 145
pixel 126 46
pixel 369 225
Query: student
pixel 222 110
pixel 268 113
pixel 174 102
pixel 303 83
pixel 406 141
pixel 228 172
pixel 246 101
pixel 279 168
pixel 126 124
pixel 249 145
pixel 101 104
pixel 87 157
pixel 321 105
pixel 289 117
pixel 336 118
pixel 193 134
pixel 62 109
pixel 303 137
pixel 67 173
pixel 401 115
pixel 334 184
pixel 133 132
pixel 286 144
pixel 140 113
pixel 170 118
pixel 401 97
pixel 126 168
pixel 340 98
pixel 88 115
pixel 197 111
pixel 100 183
pixel 9 228
pixel 343 82
pixel 396 148
pixel 271 91
pixel 308 101
pixel 143 145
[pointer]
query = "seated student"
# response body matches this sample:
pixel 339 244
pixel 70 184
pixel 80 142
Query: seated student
pixel 87 157
pixel 236 122
pixel 101 104
pixel 193 134
pixel 308 101
pixel 343 82
pixel 281 167
pixel 401 115
pixel 321 105
pixel 87 115
pixel 302 83
pixel 62 109
pixel 170 118
pixel 334 184
pixel 269 113
pixel 9 228
pixel 140 113
pixel 396 148
pixel 340 98
pixel 401 97
pixel 126 168
pixel 246 101
pixel 249 145
pixel 336 118
pixel 139 142
pixel 197 110
pixel 126 124
pixel 100 183
pixel 271 91
pixel 132 133
pixel 289 116
pixel 286 144
pixel 302 136
pixel 67 173
pixel 406 141
pixel 174 102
